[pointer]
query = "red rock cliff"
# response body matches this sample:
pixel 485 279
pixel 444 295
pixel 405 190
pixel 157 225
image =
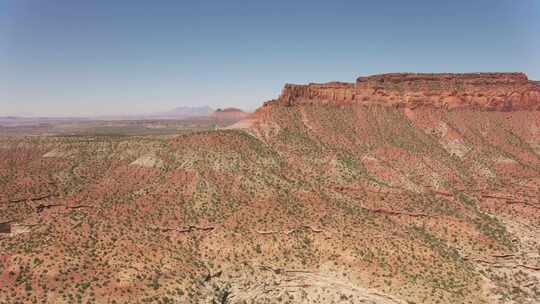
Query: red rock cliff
pixel 482 91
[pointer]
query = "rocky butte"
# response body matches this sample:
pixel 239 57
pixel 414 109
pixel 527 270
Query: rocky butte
pixel 479 91
pixel 229 113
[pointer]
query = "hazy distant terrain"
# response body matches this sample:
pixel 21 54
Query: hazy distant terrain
pixel 176 113
pixel 172 122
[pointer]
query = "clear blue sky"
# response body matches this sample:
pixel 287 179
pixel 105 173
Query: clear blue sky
pixel 121 57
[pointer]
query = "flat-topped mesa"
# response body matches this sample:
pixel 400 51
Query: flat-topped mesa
pixel 482 91
pixel 331 91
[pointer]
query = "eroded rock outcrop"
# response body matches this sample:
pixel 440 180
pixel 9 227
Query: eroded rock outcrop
pixel 482 91
pixel 229 113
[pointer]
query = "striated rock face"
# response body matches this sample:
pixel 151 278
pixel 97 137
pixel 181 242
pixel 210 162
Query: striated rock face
pixel 482 91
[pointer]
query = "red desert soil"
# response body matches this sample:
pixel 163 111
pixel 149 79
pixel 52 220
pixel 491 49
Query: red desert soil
pixel 399 188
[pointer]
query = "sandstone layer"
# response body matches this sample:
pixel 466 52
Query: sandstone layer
pixel 481 91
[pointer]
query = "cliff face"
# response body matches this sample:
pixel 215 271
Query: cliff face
pixel 482 91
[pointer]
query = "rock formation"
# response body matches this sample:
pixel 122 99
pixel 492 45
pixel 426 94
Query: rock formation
pixel 480 91
pixel 317 199
pixel 229 113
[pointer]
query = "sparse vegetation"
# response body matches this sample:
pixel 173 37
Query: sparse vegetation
pixel 362 197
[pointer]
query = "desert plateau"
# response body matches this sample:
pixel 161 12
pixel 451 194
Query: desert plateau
pixel 397 188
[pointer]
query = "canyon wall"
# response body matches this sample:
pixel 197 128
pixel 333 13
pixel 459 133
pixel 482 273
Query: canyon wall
pixel 482 91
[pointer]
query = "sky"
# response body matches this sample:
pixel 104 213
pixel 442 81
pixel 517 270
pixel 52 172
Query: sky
pixel 86 58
